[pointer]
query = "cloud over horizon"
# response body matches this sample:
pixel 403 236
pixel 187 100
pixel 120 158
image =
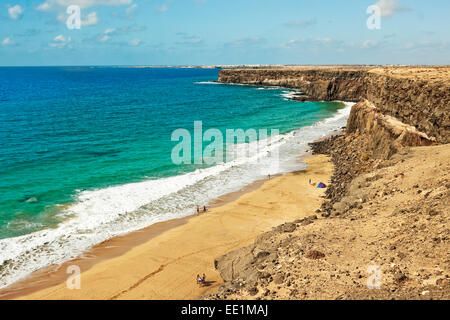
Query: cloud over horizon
pixel 390 7
pixel 83 4
pixel 15 12
pixel 215 32
pixel 61 42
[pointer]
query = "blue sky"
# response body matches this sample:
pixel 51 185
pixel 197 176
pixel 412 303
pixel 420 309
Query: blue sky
pixel 179 32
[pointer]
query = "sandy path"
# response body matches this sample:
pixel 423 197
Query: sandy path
pixel 165 267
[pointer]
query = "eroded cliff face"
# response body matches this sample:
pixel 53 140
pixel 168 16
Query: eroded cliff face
pixel 387 201
pixel 323 85
pixel 420 101
pixel 388 134
pixel 371 138
pixel 395 217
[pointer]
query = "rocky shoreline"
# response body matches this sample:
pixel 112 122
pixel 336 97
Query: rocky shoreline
pixel 386 209
pixel 383 218
pixel 417 96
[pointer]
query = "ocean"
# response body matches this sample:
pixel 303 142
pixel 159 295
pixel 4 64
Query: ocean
pixel 86 152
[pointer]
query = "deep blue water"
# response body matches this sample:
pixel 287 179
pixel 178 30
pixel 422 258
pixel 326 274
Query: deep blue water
pixel 85 152
pixel 63 130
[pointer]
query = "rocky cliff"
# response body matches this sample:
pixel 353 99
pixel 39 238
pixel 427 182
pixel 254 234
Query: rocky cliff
pixel 318 84
pixel 370 138
pixel 394 219
pixel 386 206
pixel 419 97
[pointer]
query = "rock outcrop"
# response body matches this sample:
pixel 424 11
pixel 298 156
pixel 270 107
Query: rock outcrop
pixel 370 138
pixel 318 84
pixel 393 218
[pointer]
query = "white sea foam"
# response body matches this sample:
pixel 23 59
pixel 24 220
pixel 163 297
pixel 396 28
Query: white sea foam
pixel 341 113
pixel 98 215
pixel 269 88
pixel 290 94
pixel 207 82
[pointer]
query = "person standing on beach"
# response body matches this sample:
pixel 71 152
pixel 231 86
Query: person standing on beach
pixel 204 208
pixel 198 209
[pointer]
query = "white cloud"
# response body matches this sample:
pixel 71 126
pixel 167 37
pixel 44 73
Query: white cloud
pixel 83 4
pixel 60 42
pixel 109 30
pixel 88 20
pixel 317 44
pixel 389 7
pixel 427 45
pixel 324 40
pixel 60 38
pixel 246 42
pixel 91 19
pixel 114 36
pixel 186 39
pixel 107 35
pixel 60 6
pixel 131 9
pixel 104 38
pixel 15 12
pixel 327 44
pixel 135 42
pixel 368 44
pixel 7 41
pixel 120 36
pixel 43 7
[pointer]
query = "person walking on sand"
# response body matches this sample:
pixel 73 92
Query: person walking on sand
pixel 198 209
pixel 199 279
pixel 204 208
pixel 204 279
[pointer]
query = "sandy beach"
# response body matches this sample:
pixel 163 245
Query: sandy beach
pixel 165 266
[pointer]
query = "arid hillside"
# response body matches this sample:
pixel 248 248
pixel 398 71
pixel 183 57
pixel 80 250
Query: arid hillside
pixel 394 219
pixel 382 231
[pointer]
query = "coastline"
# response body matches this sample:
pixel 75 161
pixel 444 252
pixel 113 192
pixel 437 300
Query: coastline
pixel 37 275
pixel 386 207
pixel 156 252
pixel 111 248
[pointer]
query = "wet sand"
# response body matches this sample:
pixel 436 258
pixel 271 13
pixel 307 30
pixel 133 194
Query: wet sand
pixel 162 261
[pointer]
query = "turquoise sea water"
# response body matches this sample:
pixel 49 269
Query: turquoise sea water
pixel 86 152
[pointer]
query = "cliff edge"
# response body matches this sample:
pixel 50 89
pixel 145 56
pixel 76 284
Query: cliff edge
pixel 383 230
pixel 416 96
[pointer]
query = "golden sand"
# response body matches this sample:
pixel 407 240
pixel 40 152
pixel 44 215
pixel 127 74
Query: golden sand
pixel 165 266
